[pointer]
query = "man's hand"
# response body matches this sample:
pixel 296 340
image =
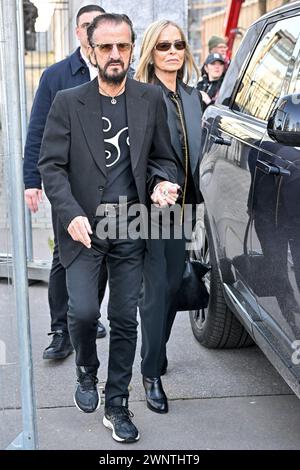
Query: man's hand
pixel 79 229
pixel 33 197
pixel 165 193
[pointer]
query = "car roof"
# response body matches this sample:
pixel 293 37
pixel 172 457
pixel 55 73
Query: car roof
pixel 289 7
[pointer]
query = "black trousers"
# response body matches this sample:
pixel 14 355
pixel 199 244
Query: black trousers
pixel 162 276
pixel 57 289
pixel 124 259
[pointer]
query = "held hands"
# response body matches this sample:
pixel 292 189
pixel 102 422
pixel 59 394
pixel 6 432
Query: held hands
pixel 33 197
pixel 80 229
pixel 165 193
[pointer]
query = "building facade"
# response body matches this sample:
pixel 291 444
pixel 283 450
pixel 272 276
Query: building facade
pixel 140 13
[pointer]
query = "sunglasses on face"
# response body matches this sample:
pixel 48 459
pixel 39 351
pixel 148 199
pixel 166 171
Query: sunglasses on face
pixel 105 48
pixel 165 45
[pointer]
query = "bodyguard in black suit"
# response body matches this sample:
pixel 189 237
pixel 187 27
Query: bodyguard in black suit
pixel 102 140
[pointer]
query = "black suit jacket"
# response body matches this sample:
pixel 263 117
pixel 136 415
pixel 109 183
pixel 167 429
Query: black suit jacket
pixel 191 103
pixel 72 158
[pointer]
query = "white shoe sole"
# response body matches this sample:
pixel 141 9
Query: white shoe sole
pixel 110 426
pixel 98 406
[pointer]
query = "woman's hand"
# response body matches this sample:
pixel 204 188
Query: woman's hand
pixel 165 193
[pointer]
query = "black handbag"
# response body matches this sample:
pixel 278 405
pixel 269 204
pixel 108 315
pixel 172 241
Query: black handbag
pixel 192 294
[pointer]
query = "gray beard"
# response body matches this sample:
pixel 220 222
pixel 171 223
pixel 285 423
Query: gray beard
pixel 112 79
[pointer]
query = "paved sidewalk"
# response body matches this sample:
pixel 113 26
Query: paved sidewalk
pixel 218 399
pixel 238 423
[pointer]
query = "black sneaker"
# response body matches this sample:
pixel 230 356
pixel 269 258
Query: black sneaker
pixel 86 397
pixel 118 419
pixel 60 346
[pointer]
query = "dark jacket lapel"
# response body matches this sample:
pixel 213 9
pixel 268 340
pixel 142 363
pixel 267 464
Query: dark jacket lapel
pixel 90 116
pixel 193 116
pixel 137 116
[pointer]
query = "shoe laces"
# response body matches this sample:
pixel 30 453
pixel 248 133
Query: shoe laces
pixel 57 338
pixel 87 381
pixel 122 412
pixel 56 332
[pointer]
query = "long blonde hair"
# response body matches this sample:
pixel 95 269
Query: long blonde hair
pixel 145 68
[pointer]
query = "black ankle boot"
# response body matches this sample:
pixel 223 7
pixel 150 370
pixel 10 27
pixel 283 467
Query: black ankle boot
pixel 155 396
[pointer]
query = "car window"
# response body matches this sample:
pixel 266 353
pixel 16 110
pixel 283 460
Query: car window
pixel 237 64
pixel 265 75
pixel 295 82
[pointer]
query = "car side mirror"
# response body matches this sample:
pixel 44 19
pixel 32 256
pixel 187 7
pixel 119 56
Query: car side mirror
pixel 284 122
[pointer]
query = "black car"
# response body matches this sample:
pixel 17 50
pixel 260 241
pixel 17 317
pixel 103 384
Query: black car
pixel 250 180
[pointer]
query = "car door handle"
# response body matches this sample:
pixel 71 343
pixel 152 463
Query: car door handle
pixel 221 140
pixel 271 169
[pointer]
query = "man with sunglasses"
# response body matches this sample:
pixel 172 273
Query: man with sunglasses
pixel 103 140
pixel 70 72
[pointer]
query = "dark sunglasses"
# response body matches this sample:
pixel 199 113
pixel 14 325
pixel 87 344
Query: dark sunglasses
pixel 165 46
pixel 122 47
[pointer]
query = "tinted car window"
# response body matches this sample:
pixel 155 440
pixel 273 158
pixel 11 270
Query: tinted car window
pixel 263 80
pixel 295 82
pixel 237 64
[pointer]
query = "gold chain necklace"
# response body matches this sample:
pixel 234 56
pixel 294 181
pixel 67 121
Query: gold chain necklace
pixel 112 98
pixel 175 99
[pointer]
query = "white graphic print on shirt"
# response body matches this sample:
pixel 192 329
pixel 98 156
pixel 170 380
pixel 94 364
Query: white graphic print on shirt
pixel 113 157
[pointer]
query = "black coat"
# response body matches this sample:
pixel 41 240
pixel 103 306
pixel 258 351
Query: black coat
pixel 72 161
pixel 191 102
pixel 210 87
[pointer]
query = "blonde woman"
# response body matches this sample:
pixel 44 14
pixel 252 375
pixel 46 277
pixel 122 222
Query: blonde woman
pixel 166 61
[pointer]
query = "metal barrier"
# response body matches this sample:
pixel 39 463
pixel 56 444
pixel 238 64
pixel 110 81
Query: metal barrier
pixel 18 423
pixel 11 155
